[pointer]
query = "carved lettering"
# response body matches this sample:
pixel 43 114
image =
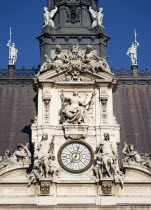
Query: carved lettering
pixel 76 191
pixel 15 191
pixel 136 191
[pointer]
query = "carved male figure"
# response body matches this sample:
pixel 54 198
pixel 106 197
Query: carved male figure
pixel 57 63
pixel 107 153
pixel 12 53
pixel 131 153
pixel 44 153
pixel 22 154
pixel 132 52
pixel 95 62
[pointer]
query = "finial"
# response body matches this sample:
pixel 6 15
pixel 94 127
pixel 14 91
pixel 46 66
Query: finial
pixel 12 50
pixel 132 50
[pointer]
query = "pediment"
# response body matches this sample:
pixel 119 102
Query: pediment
pixel 53 76
pixel 11 171
pixel 136 172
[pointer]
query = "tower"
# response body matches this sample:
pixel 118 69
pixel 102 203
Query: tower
pixel 73 24
pixel 75 134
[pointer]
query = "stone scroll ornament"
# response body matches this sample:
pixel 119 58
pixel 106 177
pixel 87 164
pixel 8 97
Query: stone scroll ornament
pixel 74 109
pixel 44 161
pixel 21 156
pixel 106 162
pixel 132 157
pixel 75 63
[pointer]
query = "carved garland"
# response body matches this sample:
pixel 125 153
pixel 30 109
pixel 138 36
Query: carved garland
pixel 46 100
pixel 104 100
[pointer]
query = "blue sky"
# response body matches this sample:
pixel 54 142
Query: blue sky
pixel 121 17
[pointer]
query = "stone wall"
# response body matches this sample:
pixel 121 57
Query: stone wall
pixel 120 207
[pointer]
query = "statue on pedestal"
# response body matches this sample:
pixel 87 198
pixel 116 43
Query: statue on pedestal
pixel 132 51
pixel 12 51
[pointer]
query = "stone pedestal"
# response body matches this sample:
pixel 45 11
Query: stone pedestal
pixel 75 132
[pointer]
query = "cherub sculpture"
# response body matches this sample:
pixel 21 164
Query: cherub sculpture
pixel 97 17
pixel 48 16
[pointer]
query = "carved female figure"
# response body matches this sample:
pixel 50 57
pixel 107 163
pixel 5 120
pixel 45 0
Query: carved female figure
pixel 74 108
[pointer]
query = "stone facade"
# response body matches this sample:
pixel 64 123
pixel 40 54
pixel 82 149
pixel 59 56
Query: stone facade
pixel 73 159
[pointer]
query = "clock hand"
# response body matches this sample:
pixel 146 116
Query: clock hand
pixel 78 148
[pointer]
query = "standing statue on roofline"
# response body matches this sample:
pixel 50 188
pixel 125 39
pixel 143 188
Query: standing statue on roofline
pixel 12 50
pixel 132 51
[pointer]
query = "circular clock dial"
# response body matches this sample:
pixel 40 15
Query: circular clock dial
pixel 76 156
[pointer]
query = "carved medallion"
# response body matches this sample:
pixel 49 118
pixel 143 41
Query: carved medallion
pixel 107 188
pixel 73 14
pixel 45 189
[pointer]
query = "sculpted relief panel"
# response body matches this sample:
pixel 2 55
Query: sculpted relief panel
pixel 134 158
pixel 76 109
pixel 21 156
pixel 75 63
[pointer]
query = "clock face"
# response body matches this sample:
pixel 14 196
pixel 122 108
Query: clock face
pixel 76 156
